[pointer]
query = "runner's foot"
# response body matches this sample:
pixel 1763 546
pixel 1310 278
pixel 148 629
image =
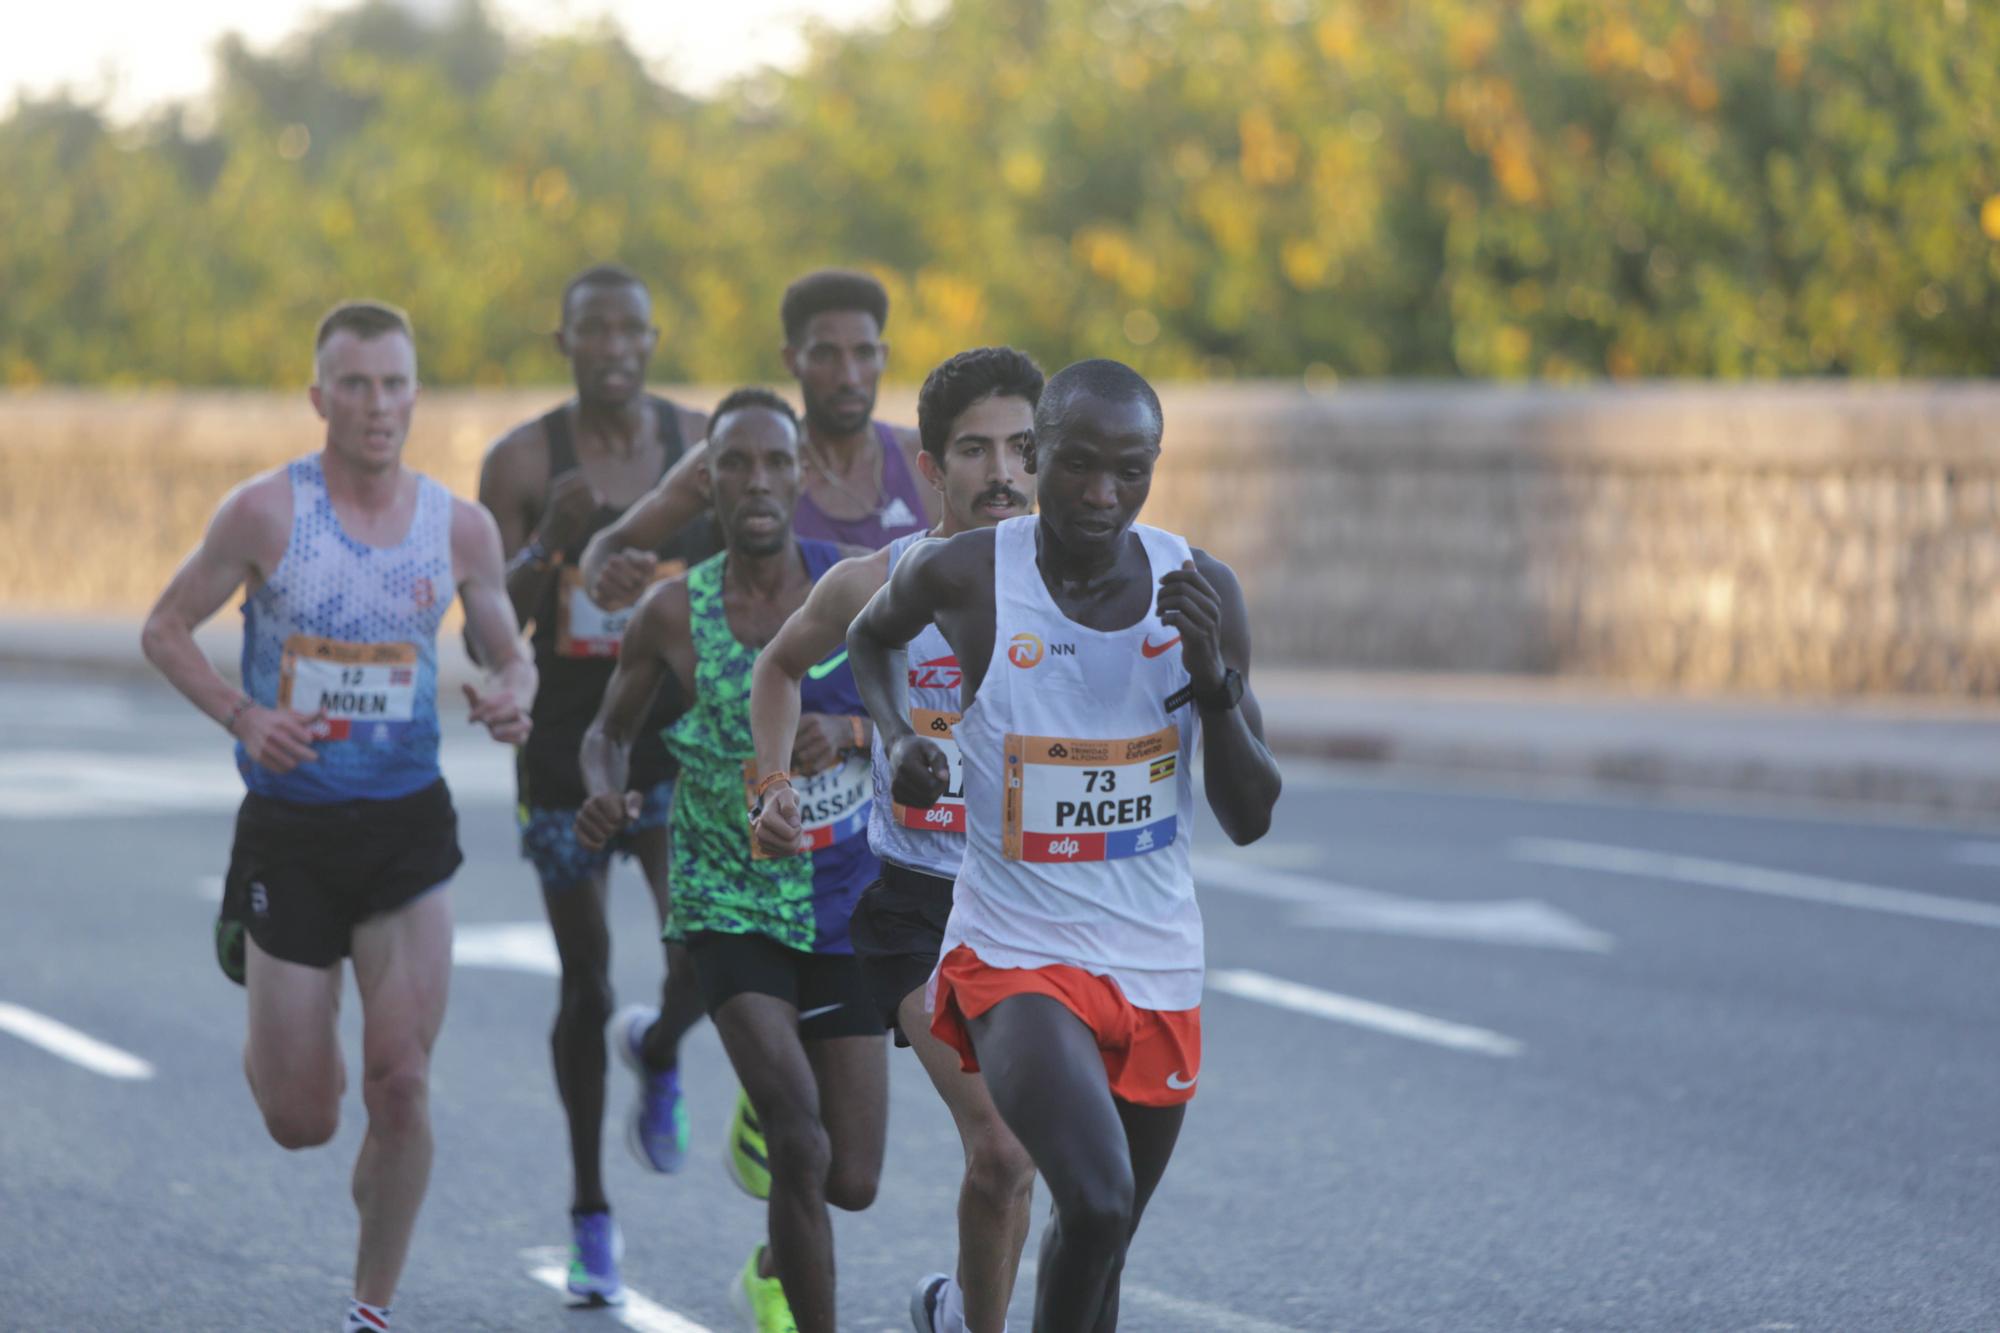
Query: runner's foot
pixel 657 1129
pixel 761 1300
pixel 927 1303
pixel 744 1153
pixel 594 1249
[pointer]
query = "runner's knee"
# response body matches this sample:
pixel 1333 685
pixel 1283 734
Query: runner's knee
pixel 1097 1212
pixel 397 1096
pixel 586 1002
pixel 301 1125
pixel 998 1170
pixel 851 1188
pixel 799 1150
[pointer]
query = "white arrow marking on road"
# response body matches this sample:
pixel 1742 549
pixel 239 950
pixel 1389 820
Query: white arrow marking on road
pixel 549 1266
pixel 1754 879
pixel 1361 1013
pixel 518 946
pixel 1323 903
pixel 59 1039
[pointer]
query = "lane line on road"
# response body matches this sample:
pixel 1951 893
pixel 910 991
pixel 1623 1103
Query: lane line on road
pixel 549 1266
pixel 515 946
pixel 1328 905
pixel 1753 879
pixel 65 1042
pixel 1361 1013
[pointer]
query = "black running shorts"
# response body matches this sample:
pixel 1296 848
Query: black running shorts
pixel 826 988
pixel 898 929
pixel 304 876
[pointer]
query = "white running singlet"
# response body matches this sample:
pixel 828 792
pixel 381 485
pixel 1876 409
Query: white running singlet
pixel 931 840
pixel 1078 791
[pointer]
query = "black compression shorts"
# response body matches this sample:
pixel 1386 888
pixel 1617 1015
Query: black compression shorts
pixel 897 929
pixel 826 988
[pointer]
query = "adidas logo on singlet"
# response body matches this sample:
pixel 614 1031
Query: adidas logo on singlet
pixel 897 514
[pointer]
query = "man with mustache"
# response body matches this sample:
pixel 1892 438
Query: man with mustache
pixel 976 416
pixel 860 484
pixel 769 936
pixel 1094 652
pixel 347 840
pixel 551 483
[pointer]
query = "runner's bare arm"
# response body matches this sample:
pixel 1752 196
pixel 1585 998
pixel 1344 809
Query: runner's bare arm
pixel 926 580
pixel 646 654
pixel 245 541
pixel 618 563
pixel 812 633
pixel 512 479
pixel 503 704
pixel 1203 600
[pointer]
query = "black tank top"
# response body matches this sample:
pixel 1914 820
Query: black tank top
pixel 575 667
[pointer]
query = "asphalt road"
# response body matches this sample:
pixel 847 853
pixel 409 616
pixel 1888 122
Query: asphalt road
pixel 1474 1061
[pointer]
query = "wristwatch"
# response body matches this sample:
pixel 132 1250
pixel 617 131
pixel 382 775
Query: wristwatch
pixel 1224 696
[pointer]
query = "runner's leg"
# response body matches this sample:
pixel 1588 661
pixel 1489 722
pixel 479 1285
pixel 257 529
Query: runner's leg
pixel 761 1035
pixel 1047 1079
pixel 680 996
pixel 583 943
pixel 402 967
pixel 993 1201
pixel 1150 1135
pixel 853 1078
pixel 291 1056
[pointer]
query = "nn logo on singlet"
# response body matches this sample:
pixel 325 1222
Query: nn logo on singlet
pixel 1026 649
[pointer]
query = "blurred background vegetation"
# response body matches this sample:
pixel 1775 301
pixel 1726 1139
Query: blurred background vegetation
pixel 1559 189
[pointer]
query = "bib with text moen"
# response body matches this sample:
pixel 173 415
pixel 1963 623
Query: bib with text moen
pixel 833 803
pixel 1073 799
pixel 585 629
pixel 948 815
pixel 348 682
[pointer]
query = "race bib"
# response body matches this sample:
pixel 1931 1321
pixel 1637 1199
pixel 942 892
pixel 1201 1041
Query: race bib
pixel 948 815
pixel 833 804
pixel 349 682
pixel 1068 799
pixel 585 629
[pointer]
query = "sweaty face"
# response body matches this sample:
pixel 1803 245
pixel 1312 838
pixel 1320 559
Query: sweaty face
pixel 985 472
pixel 754 463
pixel 1094 469
pixel 608 336
pixel 838 362
pixel 366 393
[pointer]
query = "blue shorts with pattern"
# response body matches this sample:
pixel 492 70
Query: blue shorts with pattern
pixel 548 838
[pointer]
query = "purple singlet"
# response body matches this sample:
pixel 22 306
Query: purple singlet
pixel 902 508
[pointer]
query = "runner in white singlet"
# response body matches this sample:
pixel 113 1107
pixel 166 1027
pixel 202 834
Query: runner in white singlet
pixel 975 414
pixel 1093 653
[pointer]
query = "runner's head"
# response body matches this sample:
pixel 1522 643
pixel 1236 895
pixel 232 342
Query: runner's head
pixel 976 415
pixel 365 382
pixel 833 346
pixel 1097 436
pixel 753 460
pixel 608 334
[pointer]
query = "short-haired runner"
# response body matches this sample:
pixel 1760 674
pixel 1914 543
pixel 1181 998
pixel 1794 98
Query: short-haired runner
pixel 976 413
pixel 347 836
pixel 1094 652
pixel 552 482
pixel 768 936
pixel 859 484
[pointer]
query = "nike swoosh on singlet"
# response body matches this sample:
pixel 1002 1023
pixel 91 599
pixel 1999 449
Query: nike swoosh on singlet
pixel 1179 1084
pixel 821 670
pixel 823 1009
pixel 1148 648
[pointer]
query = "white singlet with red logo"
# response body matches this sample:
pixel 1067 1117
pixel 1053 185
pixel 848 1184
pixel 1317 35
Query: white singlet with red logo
pixel 1077 790
pixel 930 840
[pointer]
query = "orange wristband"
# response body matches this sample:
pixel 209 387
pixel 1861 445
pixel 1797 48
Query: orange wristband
pixel 860 734
pixel 772 780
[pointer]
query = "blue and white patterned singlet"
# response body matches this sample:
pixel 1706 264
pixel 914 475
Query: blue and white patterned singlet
pixel 351 630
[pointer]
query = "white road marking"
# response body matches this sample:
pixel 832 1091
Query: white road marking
pixel 1277 855
pixel 1754 879
pixel 1977 853
pixel 59 1039
pixel 1328 905
pixel 517 946
pixel 550 1267
pixel 1361 1013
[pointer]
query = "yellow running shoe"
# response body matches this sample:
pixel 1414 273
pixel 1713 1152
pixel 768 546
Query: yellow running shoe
pixel 761 1300
pixel 743 1151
